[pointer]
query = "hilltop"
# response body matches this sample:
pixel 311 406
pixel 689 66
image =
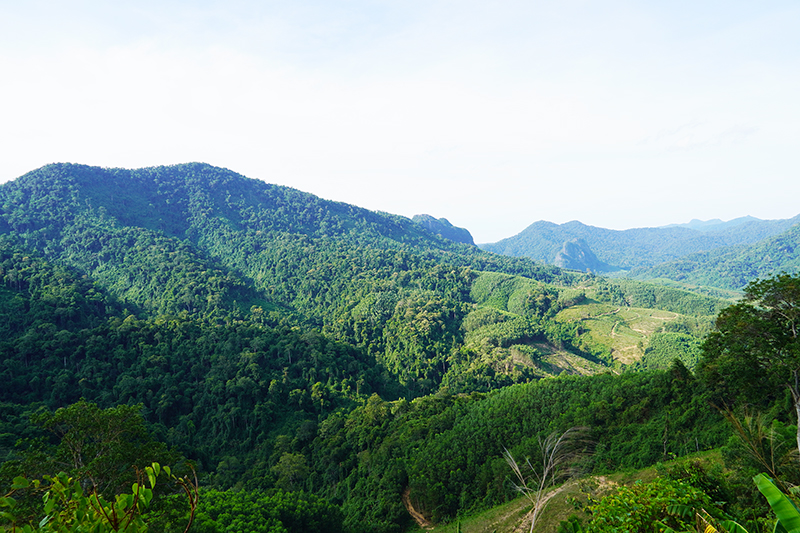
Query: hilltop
pixel 288 342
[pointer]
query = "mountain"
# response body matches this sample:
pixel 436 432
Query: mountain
pixel 714 224
pixel 576 255
pixel 635 248
pixel 443 228
pixel 204 243
pixel 287 342
pixel 732 267
pixel 208 242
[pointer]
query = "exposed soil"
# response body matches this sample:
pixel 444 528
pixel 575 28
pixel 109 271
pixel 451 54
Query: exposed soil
pixel 418 517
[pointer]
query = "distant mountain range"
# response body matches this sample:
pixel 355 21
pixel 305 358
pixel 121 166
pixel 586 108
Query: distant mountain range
pixel 732 267
pixel 714 224
pixel 720 254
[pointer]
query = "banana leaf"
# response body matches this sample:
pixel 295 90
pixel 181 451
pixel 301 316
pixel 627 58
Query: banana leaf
pixel 787 512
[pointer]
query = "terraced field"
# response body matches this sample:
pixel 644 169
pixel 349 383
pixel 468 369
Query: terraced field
pixel 625 330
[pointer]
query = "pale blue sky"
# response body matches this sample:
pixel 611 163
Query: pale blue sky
pixel 491 114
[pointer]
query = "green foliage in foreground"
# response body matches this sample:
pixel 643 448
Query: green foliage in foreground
pixel 69 508
pixel 447 449
pixel 754 355
pixel 103 448
pixel 785 509
pixel 675 506
pixel 641 506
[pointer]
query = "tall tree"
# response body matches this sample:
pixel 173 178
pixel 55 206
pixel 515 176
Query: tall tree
pixel 756 349
pixel 103 448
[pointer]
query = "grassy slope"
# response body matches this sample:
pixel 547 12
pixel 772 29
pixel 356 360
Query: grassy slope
pixel 619 330
pixel 513 516
pixel 625 330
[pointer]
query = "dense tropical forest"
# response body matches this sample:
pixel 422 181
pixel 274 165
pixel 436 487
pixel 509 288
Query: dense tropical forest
pixel 250 357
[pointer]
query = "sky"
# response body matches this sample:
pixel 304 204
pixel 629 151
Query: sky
pixel 494 115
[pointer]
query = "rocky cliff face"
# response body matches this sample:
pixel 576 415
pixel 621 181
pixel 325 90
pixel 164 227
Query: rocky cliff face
pixel 576 255
pixel 443 228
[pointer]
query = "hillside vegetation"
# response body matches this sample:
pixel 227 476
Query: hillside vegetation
pixel 318 355
pixel 733 267
pixel 723 255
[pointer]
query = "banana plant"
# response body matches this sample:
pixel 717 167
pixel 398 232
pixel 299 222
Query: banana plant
pixel 785 509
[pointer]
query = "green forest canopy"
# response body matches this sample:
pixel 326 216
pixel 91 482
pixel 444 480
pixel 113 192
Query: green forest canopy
pixel 287 343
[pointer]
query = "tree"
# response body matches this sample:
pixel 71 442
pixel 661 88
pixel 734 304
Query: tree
pixel 292 470
pixel 103 448
pixel 756 348
pixel 762 445
pixel 266 512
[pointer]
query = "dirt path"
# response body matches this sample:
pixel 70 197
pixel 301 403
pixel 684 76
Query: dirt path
pixel 615 311
pixel 525 525
pixel 603 486
pixel 416 515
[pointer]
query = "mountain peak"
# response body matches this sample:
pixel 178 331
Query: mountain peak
pixel 575 254
pixel 443 228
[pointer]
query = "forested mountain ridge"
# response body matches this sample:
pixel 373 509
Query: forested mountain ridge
pixel 178 199
pixel 714 224
pixel 634 248
pixel 188 201
pixel 203 240
pixel 289 342
pixel 206 241
pixel 732 267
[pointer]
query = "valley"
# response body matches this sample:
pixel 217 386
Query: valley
pixel 344 364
